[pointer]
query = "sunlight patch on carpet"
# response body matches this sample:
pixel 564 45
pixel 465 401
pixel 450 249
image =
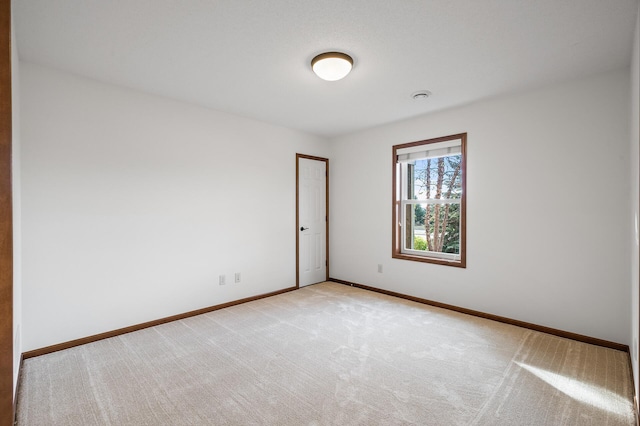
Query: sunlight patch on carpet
pixel 592 395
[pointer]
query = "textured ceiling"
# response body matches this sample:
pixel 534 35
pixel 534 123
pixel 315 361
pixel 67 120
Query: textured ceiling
pixel 252 57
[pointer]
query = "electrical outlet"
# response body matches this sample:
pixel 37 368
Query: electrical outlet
pixel 222 280
pixel 380 268
pixel 237 277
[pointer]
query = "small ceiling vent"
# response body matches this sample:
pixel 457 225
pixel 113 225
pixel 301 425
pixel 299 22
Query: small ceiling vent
pixel 421 94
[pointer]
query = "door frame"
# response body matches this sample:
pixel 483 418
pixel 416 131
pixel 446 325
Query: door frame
pixel 6 222
pixel 326 160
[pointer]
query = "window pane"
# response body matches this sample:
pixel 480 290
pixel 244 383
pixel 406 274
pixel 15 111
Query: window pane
pixel 437 178
pixel 433 227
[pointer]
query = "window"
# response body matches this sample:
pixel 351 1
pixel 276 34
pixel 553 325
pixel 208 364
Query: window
pixel 429 207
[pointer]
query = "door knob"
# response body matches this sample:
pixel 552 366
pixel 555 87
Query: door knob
pixel 302 228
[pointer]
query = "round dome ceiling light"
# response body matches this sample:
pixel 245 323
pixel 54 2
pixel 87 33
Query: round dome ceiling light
pixel 332 66
pixel 421 95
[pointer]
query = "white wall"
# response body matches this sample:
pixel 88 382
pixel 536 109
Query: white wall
pixel 635 201
pixel 134 204
pixel 548 208
pixel 17 215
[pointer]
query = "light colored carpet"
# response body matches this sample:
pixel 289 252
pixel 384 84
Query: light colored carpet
pixel 329 354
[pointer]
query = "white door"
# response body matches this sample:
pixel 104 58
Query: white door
pixel 312 221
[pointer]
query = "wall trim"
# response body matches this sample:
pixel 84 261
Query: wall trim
pixel 6 221
pixel 118 332
pixel 536 327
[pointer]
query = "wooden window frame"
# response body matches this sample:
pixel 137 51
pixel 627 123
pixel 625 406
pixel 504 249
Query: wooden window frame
pixel 396 228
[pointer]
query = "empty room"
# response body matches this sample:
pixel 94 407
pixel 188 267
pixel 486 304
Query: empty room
pixel 319 213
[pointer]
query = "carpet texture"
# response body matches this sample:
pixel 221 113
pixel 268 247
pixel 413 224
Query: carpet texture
pixel 329 354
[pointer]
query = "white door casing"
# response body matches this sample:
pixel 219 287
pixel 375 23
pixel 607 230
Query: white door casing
pixel 312 221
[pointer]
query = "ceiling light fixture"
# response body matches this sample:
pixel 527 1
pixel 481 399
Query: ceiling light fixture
pixel 332 66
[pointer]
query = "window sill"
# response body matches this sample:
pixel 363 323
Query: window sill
pixel 461 263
